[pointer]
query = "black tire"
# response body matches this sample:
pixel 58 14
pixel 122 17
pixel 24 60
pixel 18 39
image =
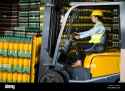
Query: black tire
pixel 52 77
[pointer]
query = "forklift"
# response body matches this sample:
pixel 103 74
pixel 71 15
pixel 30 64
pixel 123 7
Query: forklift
pixel 101 66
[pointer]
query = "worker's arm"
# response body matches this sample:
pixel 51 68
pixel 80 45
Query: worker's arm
pixel 86 33
pixel 95 29
pixel 89 32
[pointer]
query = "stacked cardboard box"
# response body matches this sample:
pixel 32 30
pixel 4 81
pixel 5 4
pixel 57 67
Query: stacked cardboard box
pixel 19 40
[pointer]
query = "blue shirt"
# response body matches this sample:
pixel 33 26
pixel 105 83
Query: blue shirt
pixel 98 28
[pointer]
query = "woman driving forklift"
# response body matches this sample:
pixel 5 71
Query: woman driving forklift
pixel 97 33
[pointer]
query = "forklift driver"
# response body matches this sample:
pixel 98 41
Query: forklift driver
pixel 97 33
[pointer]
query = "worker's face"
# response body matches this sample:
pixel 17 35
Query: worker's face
pixel 94 19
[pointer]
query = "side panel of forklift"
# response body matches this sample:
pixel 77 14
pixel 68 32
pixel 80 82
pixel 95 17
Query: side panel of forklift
pixel 111 78
pixel 103 64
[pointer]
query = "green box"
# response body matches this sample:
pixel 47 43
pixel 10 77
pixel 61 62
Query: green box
pixel 33 29
pixel 23 25
pixel 34 19
pixel 26 69
pixel 34 13
pixel 23 19
pixel 34 25
pixel 20 28
pixel 24 6
pixel 4 52
pixel 24 1
pixel 32 1
pixel 34 6
pixel 24 14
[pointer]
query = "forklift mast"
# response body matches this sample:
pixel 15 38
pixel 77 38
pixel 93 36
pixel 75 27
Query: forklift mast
pixel 52 23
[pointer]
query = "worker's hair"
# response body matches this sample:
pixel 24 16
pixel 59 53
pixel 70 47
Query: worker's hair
pixel 73 55
pixel 100 18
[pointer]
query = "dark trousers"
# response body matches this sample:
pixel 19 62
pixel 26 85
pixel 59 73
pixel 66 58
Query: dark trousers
pixel 79 73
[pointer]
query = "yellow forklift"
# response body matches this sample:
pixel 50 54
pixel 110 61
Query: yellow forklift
pixel 101 66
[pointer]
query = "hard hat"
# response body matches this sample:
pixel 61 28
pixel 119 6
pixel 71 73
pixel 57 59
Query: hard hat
pixel 97 13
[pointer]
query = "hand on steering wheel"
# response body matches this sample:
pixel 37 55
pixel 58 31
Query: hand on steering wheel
pixel 77 37
pixel 75 33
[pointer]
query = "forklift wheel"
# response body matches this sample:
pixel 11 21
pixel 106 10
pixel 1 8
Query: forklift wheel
pixel 52 77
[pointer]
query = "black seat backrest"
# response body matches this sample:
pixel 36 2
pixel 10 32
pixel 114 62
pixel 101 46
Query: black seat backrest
pixel 106 40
